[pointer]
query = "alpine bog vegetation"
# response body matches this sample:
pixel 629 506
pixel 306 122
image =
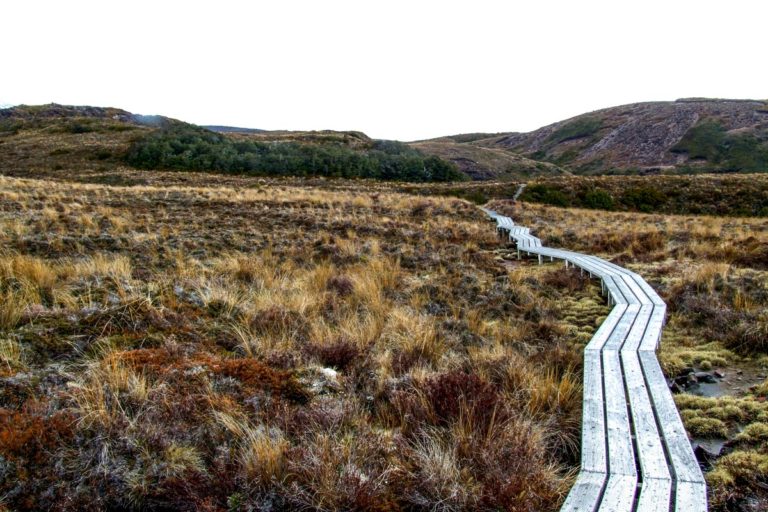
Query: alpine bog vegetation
pixel 279 346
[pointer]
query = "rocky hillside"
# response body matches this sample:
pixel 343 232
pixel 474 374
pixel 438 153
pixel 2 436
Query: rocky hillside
pixel 687 135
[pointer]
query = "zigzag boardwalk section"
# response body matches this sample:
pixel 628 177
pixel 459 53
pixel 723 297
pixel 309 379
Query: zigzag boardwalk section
pixel 635 453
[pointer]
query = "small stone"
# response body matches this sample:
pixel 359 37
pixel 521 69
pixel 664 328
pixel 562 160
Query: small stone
pixel 719 374
pixel 675 388
pixel 705 377
pixel 705 457
pixel 330 373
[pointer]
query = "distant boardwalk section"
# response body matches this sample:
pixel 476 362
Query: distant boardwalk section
pixel 635 453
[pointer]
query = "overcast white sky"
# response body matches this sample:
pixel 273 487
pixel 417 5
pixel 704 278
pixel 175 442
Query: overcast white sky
pixel 394 69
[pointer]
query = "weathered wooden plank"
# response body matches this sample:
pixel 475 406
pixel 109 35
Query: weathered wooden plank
pixel 650 450
pixel 614 292
pixel 636 334
pixel 594 452
pixel 690 497
pixel 626 290
pixel 655 495
pixel 619 494
pixel 621 455
pixel 652 336
pixel 684 464
pixel 641 282
pixel 586 493
pixel 583 262
pixel 619 334
pixel 606 328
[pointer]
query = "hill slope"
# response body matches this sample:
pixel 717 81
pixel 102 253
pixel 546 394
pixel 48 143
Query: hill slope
pixel 51 140
pixel 487 163
pixel 688 134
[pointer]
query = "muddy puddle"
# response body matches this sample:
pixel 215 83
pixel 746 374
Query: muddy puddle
pixel 735 381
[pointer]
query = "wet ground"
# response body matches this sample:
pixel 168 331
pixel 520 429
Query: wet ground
pixel 736 380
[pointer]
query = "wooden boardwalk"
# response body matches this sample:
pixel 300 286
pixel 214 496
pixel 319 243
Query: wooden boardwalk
pixel 635 453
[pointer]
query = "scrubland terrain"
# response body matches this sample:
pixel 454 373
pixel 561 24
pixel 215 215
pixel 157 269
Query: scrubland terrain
pixel 744 195
pixel 728 195
pixel 713 274
pixel 213 341
pixel 279 347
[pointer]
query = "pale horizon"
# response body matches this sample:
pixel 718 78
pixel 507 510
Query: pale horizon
pixel 394 71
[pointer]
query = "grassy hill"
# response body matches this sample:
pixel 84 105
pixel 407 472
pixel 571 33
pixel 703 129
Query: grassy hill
pixel 55 138
pixel 681 137
pixel 486 163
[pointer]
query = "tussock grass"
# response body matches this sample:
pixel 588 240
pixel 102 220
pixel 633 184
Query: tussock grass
pixel 218 342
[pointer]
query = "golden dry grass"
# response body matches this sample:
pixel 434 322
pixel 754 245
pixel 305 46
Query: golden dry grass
pixel 233 343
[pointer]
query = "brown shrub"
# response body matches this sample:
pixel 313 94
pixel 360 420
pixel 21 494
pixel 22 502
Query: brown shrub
pixel 512 465
pixel 340 354
pixel 752 253
pixel 544 333
pixel 250 372
pixel 749 335
pixel 454 393
pixel 404 360
pixel 341 285
pixel 563 278
pixel 30 436
pixel 257 375
pixel 710 309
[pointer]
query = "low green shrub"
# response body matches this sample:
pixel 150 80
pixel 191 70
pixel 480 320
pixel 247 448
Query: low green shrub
pixel 185 147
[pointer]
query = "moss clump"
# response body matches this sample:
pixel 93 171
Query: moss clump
pixel 754 433
pixel 706 427
pixel 737 476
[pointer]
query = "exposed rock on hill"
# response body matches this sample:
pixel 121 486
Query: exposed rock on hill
pixel 695 133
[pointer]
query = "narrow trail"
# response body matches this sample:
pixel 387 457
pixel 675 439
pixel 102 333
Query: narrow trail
pixel 635 452
pixel 519 191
